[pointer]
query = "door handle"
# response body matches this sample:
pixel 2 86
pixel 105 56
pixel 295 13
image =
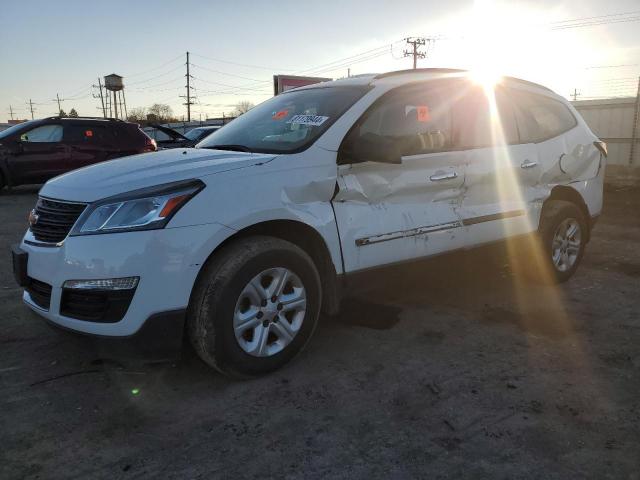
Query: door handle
pixel 528 164
pixel 437 177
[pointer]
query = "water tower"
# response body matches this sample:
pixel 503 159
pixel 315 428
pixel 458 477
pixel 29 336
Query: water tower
pixel 117 106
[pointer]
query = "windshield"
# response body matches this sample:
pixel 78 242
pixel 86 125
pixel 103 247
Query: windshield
pixel 197 133
pixel 16 128
pixel 287 123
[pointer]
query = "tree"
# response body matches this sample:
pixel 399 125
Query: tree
pixel 243 107
pixel 62 113
pixel 73 113
pixel 138 114
pixel 160 112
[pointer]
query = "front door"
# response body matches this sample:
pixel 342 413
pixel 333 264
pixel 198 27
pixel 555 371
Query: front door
pixel 393 212
pixel 41 155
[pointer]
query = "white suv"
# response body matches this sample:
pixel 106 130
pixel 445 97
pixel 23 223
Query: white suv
pixel 242 241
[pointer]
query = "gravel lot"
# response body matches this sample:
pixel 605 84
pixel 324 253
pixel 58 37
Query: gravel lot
pixel 457 371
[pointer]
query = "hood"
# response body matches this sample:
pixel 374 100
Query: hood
pixel 146 170
pixel 174 134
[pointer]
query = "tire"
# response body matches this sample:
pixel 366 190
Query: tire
pixel 226 292
pixel 3 183
pixel 563 228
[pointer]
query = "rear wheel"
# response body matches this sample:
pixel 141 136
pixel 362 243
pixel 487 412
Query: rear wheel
pixel 255 306
pixel 562 241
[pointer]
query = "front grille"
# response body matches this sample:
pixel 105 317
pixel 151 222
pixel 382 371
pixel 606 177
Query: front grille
pixel 39 292
pixel 53 219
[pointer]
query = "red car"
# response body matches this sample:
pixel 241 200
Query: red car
pixel 35 151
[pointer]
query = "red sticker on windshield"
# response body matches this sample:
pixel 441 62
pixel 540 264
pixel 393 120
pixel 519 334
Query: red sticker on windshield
pixel 423 113
pixel 280 115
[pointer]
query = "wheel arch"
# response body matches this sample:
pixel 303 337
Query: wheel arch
pixel 570 194
pixel 305 237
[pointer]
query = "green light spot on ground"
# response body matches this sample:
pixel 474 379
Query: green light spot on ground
pixel 135 391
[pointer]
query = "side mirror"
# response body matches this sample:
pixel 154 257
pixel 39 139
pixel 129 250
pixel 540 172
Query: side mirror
pixel 374 148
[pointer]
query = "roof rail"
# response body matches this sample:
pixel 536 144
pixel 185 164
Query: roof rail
pixel 419 70
pixel 453 70
pixel 58 117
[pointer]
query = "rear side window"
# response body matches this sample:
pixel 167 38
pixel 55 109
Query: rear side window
pixel 88 134
pixel 540 118
pixel 480 121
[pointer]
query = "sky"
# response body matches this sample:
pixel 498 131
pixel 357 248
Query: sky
pixel 50 48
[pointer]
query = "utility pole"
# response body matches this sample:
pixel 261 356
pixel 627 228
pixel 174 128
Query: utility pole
pixel 188 95
pixel 104 111
pixel 415 42
pixel 634 132
pixel 31 108
pixel 11 111
pixel 59 107
pixel 575 94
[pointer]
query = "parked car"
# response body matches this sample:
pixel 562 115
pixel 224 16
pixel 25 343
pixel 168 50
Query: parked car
pixel 178 140
pixel 242 242
pixel 35 151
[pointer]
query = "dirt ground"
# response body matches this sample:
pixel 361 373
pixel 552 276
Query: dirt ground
pixel 452 370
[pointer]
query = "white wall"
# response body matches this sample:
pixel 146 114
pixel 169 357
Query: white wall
pixel 612 120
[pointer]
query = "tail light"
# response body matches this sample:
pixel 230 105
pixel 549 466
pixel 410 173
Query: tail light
pixel 150 145
pixel 602 147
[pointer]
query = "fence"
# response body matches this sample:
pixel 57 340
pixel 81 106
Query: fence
pixel 613 121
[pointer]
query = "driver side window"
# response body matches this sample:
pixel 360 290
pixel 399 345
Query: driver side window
pixel 415 121
pixel 45 133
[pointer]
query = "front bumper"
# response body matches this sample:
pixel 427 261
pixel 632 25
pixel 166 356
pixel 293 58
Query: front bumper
pixel 167 261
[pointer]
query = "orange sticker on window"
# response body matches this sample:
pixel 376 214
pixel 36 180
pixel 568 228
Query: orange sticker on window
pixel 280 115
pixel 88 133
pixel 423 114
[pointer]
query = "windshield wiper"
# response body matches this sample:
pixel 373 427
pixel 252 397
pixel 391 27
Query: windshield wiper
pixel 231 146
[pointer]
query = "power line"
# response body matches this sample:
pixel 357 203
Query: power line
pixel 228 74
pixel 613 66
pixel 159 84
pixel 596 20
pixel 262 67
pixel 597 17
pixel 156 77
pixel 155 68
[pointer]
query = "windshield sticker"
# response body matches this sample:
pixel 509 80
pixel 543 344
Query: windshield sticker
pixel 423 114
pixel 313 120
pixel 280 115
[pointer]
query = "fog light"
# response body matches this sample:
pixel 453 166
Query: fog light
pixel 127 283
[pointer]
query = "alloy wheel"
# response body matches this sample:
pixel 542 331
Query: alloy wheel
pixel 269 312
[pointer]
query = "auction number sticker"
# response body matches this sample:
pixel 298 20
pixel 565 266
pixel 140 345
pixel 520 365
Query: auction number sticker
pixel 313 120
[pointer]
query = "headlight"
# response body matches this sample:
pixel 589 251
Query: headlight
pixel 145 209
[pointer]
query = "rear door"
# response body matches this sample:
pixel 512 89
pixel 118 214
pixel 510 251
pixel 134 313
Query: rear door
pixel 87 143
pixel 502 170
pixel 566 152
pixel 42 155
pixel 389 213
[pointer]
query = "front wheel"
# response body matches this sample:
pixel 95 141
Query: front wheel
pixel 255 306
